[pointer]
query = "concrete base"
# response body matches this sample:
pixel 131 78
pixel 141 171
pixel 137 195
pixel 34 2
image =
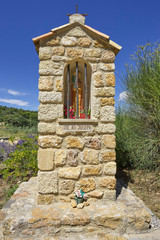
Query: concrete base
pixel 22 218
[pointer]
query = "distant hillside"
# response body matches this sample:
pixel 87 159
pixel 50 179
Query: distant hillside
pixel 18 117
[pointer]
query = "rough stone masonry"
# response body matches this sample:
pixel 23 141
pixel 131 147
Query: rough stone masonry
pixel 76 153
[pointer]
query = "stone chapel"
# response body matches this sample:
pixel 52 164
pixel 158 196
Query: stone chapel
pixel 76 112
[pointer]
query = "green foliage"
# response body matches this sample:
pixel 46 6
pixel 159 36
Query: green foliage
pixel 11 190
pixel 22 163
pixel 138 124
pixel 18 117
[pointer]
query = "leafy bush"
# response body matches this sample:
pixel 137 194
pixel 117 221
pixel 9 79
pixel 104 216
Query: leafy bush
pixel 138 122
pixel 22 163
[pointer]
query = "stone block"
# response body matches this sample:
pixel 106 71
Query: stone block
pixel 58 84
pixel 107 67
pixel 74 53
pixel 50 142
pixel 95 194
pixel 74 142
pixel 46 199
pixel 45 53
pixel 109 79
pixel 94 67
pixel 106 128
pixel 89 156
pixel 109 195
pixel 107 155
pixel 104 92
pixel 86 185
pixel 69 41
pixel 46 159
pixel 95 107
pixel 45 83
pixel 84 42
pixel 59 51
pixel 98 79
pixel 92 170
pixel 108 141
pixel 98 44
pixel 93 142
pixel 53 42
pixel 107 101
pixel 108 183
pixel 60 157
pixel 72 158
pixel 47 182
pixel 107 114
pixel 93 53
pixel 47 128
pixel 48 67
pixel 70 173
pixel 110 168
pixel 108 56
pixel 76 32
pixel 50 112
pixel 50 97
pixel 66 186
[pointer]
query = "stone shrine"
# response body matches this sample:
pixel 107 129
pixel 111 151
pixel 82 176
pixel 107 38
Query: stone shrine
pixel 76 113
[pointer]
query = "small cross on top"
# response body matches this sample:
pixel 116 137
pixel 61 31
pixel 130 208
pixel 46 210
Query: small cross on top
pixel 85 14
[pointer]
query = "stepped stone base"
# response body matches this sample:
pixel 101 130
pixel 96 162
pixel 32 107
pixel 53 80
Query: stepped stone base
pixel 22 218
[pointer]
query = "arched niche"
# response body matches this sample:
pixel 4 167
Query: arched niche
pixel 77 89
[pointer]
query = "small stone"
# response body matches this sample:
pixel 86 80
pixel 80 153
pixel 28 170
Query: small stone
pixel 92 171
pixel 107 67
pixel 66 187
pixel 107 155
pixel 110 80
pixel 69 41
pixel 74 53
pixel 104 92
pixel 46 199
pixel 58 51
pixel 73 204
pixel 92 142
pixel 72 158
pixel 45 83
pixel 93 53
pixel 70 173
pixel 108 183
pixel 54 41
pixel 107 101
pixel 98 80
pixel 60 157
pixel 74 142
pixel 49 142
pixel 84 42
pixel 108 56
pixel 110 168
pixel 106 128
pixel 109 195
pixel 86 203
pixel 72 196
pixel 96 194
pixel 58 85
pixel 108 141
pixel 107 114
pixel 98 44
pixel 89 156
pixel 87 185
pixel 45 159
pixel 80 205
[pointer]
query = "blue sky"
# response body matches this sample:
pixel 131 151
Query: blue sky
pixel 128 23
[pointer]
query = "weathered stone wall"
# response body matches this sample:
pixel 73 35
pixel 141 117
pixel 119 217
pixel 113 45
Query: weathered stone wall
pixel 70 160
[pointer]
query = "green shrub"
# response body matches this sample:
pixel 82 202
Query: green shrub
pixel 22 163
